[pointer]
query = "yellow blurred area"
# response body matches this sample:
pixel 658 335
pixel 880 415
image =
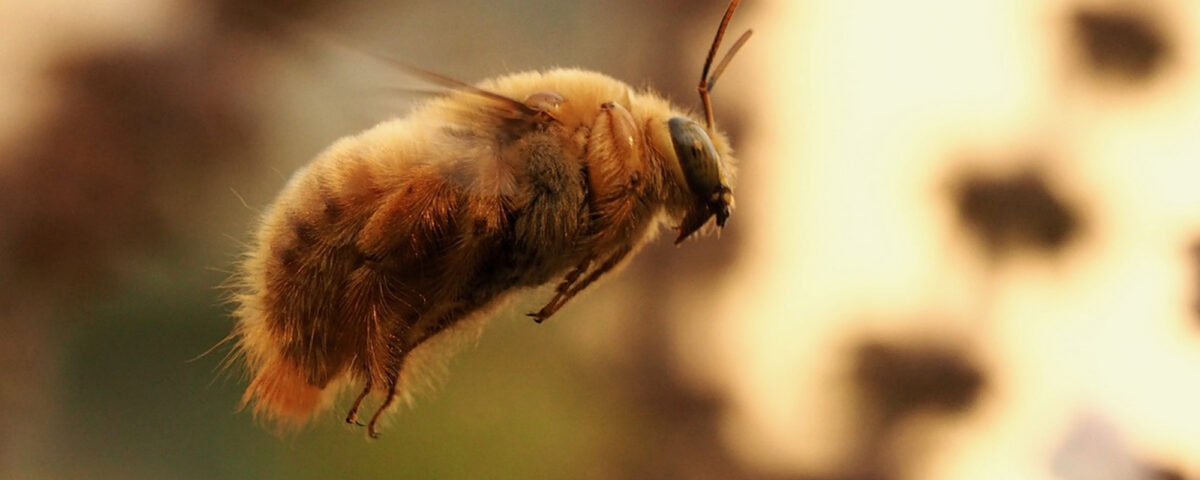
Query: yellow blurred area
pixel 868 108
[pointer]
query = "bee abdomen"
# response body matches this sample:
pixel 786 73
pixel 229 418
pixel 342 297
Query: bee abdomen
pixel 296 340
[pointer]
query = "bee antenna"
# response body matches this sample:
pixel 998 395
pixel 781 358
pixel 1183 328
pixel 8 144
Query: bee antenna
pixel 712 52
pixel 712 79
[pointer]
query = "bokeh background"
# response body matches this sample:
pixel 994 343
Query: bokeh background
pixel 967 243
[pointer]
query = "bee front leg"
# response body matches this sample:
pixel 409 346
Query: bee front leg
pixel 604 268
pixel 561 291
pixel 561 299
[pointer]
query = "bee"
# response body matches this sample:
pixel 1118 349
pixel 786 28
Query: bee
pixel 403 232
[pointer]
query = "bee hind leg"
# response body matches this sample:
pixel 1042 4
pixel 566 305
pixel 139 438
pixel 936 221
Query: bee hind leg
pixel 392 383
pixel 352 417
pixel 372 430
pixel 418 333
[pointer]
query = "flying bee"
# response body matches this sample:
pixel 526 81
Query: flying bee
pixel 398 234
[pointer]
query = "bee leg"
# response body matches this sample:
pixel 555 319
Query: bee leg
pixel 418 333
pixel 372 431
pixel 352 417
pixel 561 291
pixel 391 397
pixel 393 383
pixel 599 271
pixel 604 268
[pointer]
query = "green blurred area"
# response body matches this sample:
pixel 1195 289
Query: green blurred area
pixel 138 403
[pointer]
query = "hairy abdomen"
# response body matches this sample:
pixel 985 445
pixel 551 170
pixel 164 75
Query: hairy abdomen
pixel 296 331
pixel 362 259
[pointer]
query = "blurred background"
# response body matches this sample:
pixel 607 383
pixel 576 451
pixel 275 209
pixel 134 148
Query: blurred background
pixel 967 242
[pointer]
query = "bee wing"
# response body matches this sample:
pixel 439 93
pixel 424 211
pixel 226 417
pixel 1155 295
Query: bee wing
pixel 506 107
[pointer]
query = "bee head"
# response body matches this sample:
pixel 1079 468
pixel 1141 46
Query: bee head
pixel 706 175
pixel 703 168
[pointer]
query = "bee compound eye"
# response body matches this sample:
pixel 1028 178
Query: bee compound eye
pixel 698 158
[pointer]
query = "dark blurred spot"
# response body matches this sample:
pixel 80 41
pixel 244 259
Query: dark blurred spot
pixel 901 380
pixel 270 15
pixel 676 417
pixel 894 383
pixel 1120 44
pixel 1020 210
pixel 1196 279
pixel 1159 472
pixel 131 129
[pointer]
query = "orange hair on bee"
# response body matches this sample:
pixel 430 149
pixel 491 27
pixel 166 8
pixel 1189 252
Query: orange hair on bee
pixel 281 391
